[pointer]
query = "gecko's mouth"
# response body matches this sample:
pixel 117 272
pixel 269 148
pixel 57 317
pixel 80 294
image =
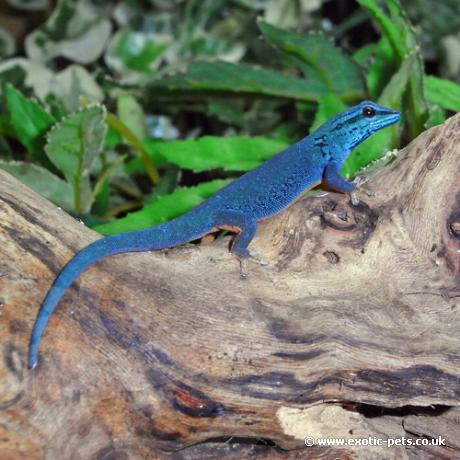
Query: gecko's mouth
pixel 388 119
pixel 393 117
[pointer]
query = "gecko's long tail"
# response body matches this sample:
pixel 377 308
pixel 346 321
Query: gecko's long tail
pixel 169 234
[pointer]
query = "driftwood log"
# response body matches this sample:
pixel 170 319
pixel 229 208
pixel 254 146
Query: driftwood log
pixel 352 330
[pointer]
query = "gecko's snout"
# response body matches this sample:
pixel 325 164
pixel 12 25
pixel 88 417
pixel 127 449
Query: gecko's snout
pixel 385 117
pixel 393 117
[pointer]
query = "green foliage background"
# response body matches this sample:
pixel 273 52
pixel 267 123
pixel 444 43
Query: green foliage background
pixel 128 114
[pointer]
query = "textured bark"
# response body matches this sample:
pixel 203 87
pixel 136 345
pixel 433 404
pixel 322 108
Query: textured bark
pixel 357 315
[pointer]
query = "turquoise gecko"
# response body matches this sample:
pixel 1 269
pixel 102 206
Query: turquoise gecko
pixel 240 205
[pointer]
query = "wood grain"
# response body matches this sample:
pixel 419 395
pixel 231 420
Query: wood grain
pixel 352 329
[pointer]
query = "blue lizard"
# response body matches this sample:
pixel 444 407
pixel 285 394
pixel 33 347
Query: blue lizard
pixel 239 206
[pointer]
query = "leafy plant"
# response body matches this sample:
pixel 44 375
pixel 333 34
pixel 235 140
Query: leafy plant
pixel 73 145
pixel 160 107
pixel 29 121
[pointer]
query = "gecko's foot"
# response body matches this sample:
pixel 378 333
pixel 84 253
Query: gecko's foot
pixel 244 263
pixel 244 268
pixel 358 182
pixel 261 262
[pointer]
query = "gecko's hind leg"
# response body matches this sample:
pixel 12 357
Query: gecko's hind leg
pixel 246 227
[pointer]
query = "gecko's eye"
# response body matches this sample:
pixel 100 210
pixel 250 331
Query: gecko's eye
pixel 368 112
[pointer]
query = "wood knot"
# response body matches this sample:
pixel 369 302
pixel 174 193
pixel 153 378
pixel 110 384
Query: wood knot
pixel 331 257
pixel 455 228
pixel 355 223
pixel 12 375
pixel 436 155
pixel 337 216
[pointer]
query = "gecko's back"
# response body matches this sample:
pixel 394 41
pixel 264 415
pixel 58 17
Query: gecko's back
pixel 272 186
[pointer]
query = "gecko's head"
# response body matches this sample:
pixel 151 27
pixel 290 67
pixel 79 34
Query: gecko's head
pixel 359 122
pixel 375 116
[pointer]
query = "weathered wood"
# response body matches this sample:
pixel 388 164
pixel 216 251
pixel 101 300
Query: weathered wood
pixel 150 353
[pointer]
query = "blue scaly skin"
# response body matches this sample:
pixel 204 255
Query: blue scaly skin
pixel 239 206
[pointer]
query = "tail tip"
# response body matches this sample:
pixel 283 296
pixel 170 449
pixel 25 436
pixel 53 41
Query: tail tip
pixel 32 362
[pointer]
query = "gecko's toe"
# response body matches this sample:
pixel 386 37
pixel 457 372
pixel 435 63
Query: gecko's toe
pixel 261 262
pixel 244 273
pixel 368 192
pixel 243 269
pixel 354 198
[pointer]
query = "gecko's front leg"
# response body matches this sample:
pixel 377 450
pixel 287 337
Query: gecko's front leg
pixel 336 182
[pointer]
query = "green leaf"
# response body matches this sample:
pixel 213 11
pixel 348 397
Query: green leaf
pixel 393 92
pixel 73 145
pixel 401 36
pixel 30 77
pixel 131 114
pixel 223 77
pixel 230 112
pixel 164 208
pixel 5 126
pixel 29 120
pixel 30 5
pixel 236 153
pixel 395 28
pixel 437 116
pixel 74 83
pixel 209 46
pixel 383 66
pixel 76 30
pixel 319 59
pixel 7 44
pixel 365 54
pixel 444 93
pixel 41 181
pixel 137 51
pixel 168 183
pixel 100 206
pixel 149 166
pixel 103 179
pixel 328 106
pixel 135 54
pixel 113 138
